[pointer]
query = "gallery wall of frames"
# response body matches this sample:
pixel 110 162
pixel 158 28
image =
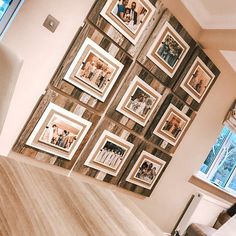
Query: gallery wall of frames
pixel 122 98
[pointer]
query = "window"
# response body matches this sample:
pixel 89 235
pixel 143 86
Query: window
pixel 219 167
pixel 8 9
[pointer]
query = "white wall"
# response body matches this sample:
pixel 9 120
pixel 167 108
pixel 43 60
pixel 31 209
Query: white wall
pixel 41 51
pixel 173 190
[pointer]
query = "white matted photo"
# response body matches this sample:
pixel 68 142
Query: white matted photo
pixel 168 49
pixel 109 154
pixel 172 125
pixel 59 132
pixel 146 170
pixel 130 17
pixel 139 101
pixel 94 70
pixel 197 80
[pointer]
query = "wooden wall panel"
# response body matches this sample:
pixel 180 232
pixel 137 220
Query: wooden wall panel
pixel 66 103
pixel 150 65
pixel 104 42
pixel 116 129
pixel 149 79
pixel 95 18
pixel 152 150
pixel 105 115
pixel 171 99
pixel 179 91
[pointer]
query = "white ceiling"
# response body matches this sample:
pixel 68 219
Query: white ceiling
pixel 215 15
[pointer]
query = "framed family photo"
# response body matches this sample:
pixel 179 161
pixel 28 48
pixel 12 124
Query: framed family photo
pixel 94 70
pixel 58 132
pixel 129 17
pixel 168 50
pixel 139 101
pixel 172 125
pixel 146 170
pixel 198 80
pixel 109 154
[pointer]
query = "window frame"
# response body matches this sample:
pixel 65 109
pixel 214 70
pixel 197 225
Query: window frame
pixel 9 15
pixel 217 160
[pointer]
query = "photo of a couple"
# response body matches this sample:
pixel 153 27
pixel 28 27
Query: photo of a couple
pixel 173 125
pixel 199 80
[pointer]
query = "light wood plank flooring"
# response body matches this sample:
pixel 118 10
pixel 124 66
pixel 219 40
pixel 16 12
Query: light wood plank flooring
pixel 37 202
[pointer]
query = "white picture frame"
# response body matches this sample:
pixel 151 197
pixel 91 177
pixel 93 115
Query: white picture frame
pixel 139 101
pixel 130 24
pixel 197 80
pixel 146 170
pixel 162 52
pixel 94 70
pixel 172 125
pixel 109 154
pixel 58 132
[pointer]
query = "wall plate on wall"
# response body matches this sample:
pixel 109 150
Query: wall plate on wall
pixel 51 23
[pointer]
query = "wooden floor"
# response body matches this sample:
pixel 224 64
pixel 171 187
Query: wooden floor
pixel 36 202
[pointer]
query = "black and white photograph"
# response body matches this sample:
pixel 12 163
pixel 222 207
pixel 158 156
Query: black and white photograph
pixel 172 125
pixel 139 101
pixel 168 50
pixel 146 170
pixel 128 16
pixel 94 70
pixel 59 132
pixel 109 153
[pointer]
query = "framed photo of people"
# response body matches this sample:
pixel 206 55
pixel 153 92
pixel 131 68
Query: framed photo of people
pixel 139 101
pixel 198 80
pixel 58 132
pixel 109 154
pixel 146 170
pixel 129 17
pixel 94 70
pixel 172 125
pixel 168 49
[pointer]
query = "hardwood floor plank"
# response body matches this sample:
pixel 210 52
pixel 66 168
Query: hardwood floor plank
pixel 38 202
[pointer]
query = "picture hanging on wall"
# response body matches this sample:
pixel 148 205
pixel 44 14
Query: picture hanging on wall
pixel 129 17
pixel 146 170
pixel 94 70
pixel 109 153
pixel 59 132
pixel 168 50
pixel 172 125
pixel 139 101
pixel 197 80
